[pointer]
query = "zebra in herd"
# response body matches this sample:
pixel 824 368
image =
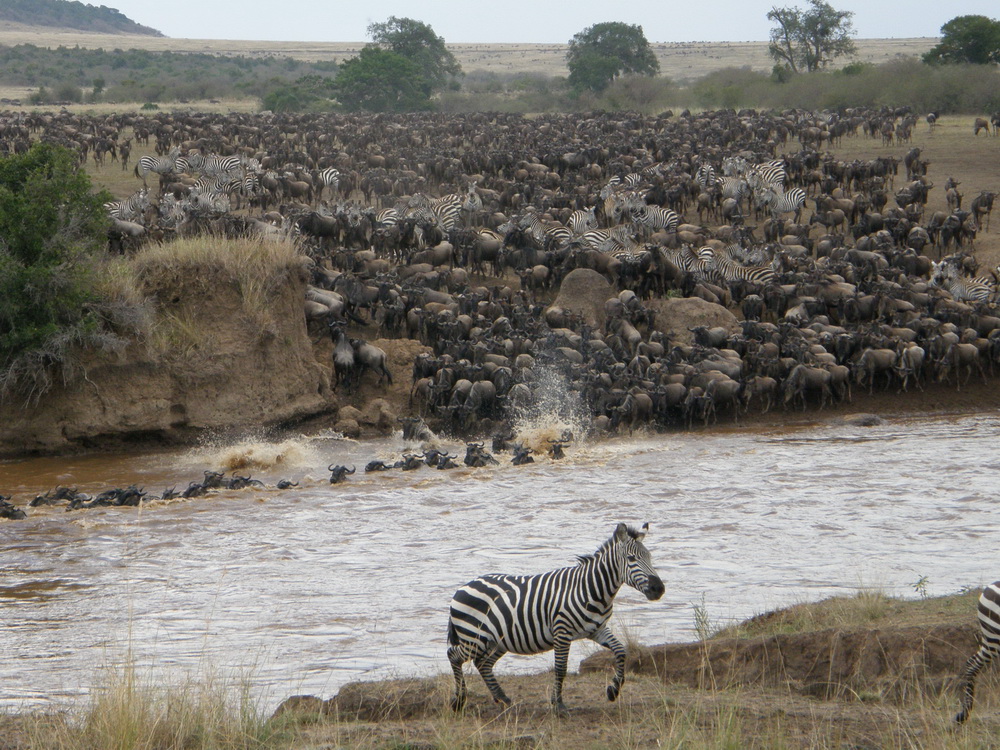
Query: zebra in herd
pixel 723 263
pixel 161 165
pixel 783 202
pixel 989 647
pixel 945 275
pixel 497 613
pixel 129 208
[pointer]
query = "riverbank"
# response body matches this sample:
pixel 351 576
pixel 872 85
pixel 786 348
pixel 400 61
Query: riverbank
pixel 861 671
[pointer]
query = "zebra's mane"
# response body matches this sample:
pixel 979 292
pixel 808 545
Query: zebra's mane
pixel 606 545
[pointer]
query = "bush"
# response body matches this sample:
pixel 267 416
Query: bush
pixel 52 226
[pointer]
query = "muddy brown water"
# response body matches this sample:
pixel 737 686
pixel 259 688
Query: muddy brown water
pixel 303 590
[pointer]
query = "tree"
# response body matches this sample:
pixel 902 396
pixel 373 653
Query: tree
pixel 967 39
pixel 417 42
pixel 51 226
pixel 378 80
pixel 807 41
pixel 599 54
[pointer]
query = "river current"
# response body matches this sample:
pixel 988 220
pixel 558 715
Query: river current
pixel 302 590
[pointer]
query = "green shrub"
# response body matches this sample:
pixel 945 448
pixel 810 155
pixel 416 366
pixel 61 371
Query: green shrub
pixel 52 226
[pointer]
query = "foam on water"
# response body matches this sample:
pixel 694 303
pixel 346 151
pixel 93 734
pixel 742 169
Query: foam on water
pixel 556 412
pixel 257 453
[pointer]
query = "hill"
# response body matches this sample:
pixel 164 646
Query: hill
pixel 68 14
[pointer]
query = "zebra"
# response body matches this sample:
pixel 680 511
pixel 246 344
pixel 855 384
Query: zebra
pixel 546 235
pixel 129 208
pixel 945 275
pixel 730 270
pixel 705 176
pixel 448 210
pixel 770 174
pixel 654 218
pixel 617 237
pixel 497 613
pixel 783 202
pixel 581 221
pixel 989 647
pixel 213 165
pixel 161 165
pixel 328 178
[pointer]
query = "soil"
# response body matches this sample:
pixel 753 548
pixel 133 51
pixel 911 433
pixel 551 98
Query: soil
pixel 850 687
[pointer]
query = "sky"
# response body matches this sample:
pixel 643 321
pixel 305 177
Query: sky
pixel 526 21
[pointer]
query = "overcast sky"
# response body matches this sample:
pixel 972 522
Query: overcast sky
pixel 535 21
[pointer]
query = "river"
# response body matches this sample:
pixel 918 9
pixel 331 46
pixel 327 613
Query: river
pixel 302 590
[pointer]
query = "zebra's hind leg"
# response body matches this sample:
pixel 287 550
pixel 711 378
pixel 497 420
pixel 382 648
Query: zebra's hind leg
pixel 967 683
pixel 606 638
pixel 484 663
pixel 457 659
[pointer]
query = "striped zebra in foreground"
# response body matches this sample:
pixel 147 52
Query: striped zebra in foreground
pixel 989 647
pixel 129 208
pixel 496 613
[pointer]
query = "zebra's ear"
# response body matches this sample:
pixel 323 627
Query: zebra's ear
pixel 621 532
pixel 641 534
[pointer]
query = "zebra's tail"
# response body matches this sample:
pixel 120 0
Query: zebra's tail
pixel 452 633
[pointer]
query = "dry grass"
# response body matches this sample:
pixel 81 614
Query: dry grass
pixel 132 710
pixel 868 608
pixel 189 268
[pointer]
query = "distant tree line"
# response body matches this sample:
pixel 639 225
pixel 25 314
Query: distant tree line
pixel 407 67
pixel 71 15
pixel 134 75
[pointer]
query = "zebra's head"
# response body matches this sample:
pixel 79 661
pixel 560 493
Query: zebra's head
pixel 639 571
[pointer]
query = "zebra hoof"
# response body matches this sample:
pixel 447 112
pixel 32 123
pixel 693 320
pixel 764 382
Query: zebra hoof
pixel 612 693
pixel 503 699
pixel 560 708
pixel 961 716
pixel 457 704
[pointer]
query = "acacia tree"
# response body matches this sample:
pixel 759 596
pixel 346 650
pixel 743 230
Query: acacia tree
pixel 417 42
pixel 602 52
pixel 378 80
pixel 967 39
pixel 805 41
pixel 399 71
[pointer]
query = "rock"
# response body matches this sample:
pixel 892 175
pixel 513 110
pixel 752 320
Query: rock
pixel 862 420
pixel 349 413
pixel 379 414
pixel 583 292
pixel 675 317
pixel 348 428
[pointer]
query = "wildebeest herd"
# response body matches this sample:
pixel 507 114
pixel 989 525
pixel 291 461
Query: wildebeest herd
pixel 456 230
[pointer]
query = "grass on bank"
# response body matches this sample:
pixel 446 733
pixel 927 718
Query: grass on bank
pixel 867 608
pixel 188 269
pixel 143 711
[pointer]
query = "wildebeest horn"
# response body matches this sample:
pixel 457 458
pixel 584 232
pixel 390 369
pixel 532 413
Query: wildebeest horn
pixel 330 467
pixel 352 469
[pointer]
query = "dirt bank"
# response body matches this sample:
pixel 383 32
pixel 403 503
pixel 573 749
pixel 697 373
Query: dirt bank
pixel 865 684
pixel 210 368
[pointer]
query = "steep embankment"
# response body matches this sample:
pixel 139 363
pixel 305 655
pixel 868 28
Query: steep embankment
pixel 216 356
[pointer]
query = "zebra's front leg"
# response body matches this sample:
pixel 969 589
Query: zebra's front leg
pixel 484 664
pixel 562 657
pixel 606 638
